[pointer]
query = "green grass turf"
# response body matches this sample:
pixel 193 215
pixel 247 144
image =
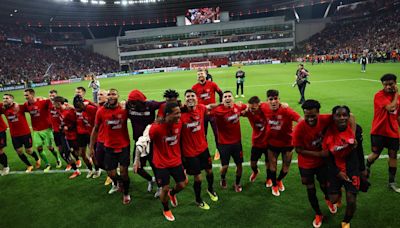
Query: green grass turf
pixel 53 200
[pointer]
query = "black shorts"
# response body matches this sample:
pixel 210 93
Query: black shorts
pixel 227 151
pixel 162 175
pixel 112 159
pixel 20 141
pixel 307 175
pixel 280 149
pixel 380 142
pixel 335 184
pixel 3 139
pixel 257 152
pixel 83 140
pixel 72 146
pixel 99 154
pixel 57 138
pixel 194 165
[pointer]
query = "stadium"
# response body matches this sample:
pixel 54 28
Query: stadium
pixel 111 110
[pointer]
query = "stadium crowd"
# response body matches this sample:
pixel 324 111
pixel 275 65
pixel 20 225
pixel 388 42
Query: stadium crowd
pixel 377 35
pixel 27 62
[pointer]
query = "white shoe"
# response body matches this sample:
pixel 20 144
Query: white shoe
pixel 236 96
pixel 90 174
pixel 394 187
pixel 113 189
pixel 6 171
pixel 96 174
pixel 150 184
pixel 242 95
pixel 158 193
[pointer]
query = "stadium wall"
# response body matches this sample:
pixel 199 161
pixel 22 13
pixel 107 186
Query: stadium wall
pixel 106 47
pixel 307 28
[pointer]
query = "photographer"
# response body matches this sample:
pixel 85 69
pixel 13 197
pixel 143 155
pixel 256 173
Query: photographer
pixel 301 81
pixel 95 85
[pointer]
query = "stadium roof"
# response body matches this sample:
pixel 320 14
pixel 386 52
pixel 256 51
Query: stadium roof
pixel 92 12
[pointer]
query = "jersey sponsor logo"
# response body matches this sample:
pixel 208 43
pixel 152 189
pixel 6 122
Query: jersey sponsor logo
pixel 13 118
pixel 34 112
pixel 275 124
pixel 317 142
pixel 54 113
pixel 233 118
pixel 114 124
pixel 195 125
pixel 171 140
pixel 83 118
pixel 205 96
pixel 260 126
pixel 344 146
pixel 135 113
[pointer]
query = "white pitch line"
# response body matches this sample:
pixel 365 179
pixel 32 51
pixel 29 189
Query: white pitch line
pixel 246 164
pixel 370 80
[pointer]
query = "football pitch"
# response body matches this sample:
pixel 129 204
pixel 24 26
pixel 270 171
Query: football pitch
pixel 52 200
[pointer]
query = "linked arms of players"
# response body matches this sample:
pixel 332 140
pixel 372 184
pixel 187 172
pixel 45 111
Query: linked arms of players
pixel 142 148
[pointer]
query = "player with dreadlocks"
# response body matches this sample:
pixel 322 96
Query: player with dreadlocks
pixel 171 96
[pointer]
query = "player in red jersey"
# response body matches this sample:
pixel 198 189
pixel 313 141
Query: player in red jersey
pixel 3 144
pixel 307 140
pixel 259 147
pixel 98 153
pixel 85 117
pixel 227 117
pixel 195 148
pixel 385 126
pixel 171 96
pixel 279 137
pixel 39 110
pixel 81 91
pixel 114 117
pixel 343 166
pixel 165 136
pixel 205 91
pixel 55 123
pixel 19 130
pixel 67 131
